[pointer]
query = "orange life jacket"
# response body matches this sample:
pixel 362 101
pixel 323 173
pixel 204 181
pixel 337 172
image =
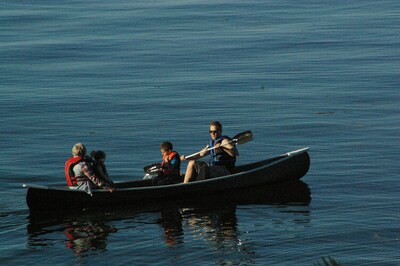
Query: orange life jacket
pixel 170 171
pixel 69 173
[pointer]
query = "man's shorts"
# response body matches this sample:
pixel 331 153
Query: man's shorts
pixel 204 171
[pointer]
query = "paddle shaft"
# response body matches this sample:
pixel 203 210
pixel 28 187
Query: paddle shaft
pixel 240 138
pixel 209 149
pixel 155 167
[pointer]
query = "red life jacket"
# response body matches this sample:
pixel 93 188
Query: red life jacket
pixel 69 173
pixel 168 170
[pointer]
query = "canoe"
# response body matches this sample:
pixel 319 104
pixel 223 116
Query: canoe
pixel 245 184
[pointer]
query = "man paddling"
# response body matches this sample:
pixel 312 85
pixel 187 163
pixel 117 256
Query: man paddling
pixel 222 160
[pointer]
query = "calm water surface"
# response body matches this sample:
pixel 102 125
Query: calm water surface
pixel 127 75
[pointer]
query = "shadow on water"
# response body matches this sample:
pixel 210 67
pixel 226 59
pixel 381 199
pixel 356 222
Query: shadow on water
pixel 213 221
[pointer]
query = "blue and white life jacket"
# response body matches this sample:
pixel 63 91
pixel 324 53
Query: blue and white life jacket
pixel 222 158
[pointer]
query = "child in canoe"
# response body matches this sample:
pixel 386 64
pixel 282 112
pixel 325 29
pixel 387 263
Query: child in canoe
pixel 99 168
pixel 170 171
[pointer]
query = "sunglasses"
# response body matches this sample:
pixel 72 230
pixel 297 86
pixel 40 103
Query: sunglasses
pixel 214 131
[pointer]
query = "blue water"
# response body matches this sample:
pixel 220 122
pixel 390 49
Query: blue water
pixel 124 76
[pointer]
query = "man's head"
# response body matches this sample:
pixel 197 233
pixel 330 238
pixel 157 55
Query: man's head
pixel 215 130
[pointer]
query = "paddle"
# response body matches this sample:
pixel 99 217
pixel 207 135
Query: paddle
pixel 238 139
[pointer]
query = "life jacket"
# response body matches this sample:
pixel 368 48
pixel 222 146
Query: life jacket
pixel 222 158
pixel 167 169
pixel 69 172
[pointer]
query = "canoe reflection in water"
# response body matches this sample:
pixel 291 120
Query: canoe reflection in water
pixel 80 234
pixel 85 236
pixel 215 220
pixel 214 223
pixel 171 222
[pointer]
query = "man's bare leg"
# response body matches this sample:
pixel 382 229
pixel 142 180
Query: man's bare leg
pixel 189 171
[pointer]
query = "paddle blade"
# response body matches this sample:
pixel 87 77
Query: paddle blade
pixel 152 168
pixel 243 137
